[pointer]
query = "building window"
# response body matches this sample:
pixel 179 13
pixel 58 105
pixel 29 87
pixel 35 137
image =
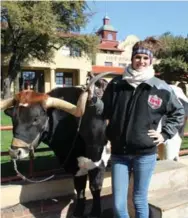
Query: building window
pixel 65 51
pixel 68 82
pixel 31 80
pixel 27 75
pixel 107 63
pixel 122 65
pixel 110 37
pixel 27 80
pixel 75 52
pixel 59 79
pixel 63 79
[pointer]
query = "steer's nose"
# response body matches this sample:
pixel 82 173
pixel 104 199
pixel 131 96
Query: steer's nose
pixel 14 153
pixel 18 153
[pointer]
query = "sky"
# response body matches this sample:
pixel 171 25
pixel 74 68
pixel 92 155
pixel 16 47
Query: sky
pixel 140 18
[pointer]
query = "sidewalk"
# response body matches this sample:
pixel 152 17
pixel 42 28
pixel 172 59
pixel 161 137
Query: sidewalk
pixel 60 207
pixel 184 159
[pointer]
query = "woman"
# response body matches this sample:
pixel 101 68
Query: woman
pixel 134 104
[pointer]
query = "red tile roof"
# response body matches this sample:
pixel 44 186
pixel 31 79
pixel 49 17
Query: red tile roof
pixel 109 45
pixel 101 69
pixel 112 49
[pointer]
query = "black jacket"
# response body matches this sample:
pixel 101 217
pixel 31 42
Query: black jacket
pixel 132 112
pixel 185 105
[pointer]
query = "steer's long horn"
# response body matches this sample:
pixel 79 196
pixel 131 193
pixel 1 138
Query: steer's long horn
pixel 79 109
pixel 96 78
pixel 6 103
pixel 76 110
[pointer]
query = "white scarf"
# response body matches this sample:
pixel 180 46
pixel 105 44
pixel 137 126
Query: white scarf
pixel 134 78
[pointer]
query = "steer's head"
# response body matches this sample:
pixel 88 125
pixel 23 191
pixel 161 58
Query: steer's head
pixel 29 117
pixel 29 121
pixel 28 111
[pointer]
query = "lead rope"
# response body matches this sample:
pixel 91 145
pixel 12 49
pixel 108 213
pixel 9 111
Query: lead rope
pixel 48 178
pixel 25 178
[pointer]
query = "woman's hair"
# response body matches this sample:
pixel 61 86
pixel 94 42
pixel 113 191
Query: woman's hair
pixel 150 43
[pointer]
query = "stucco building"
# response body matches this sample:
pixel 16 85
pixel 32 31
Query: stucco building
pixel 70 67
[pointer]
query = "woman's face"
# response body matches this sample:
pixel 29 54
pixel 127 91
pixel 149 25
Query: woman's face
pixel 140 62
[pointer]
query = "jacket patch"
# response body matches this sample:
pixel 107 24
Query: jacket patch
pixel 154 101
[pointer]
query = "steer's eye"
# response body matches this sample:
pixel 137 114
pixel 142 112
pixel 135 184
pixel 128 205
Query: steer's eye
pixel 36 121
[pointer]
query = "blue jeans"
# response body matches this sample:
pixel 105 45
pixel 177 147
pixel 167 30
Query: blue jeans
pixel 142 168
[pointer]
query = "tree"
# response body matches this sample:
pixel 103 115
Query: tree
pixel 173 57
pixel 35 29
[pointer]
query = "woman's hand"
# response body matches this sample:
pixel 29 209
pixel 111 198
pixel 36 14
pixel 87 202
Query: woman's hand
pixel 156 135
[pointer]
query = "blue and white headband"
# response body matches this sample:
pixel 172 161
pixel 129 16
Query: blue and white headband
pixel 142 51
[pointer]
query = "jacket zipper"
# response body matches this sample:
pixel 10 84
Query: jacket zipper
pixel 129 112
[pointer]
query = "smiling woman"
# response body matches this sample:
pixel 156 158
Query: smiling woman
pixel 134 104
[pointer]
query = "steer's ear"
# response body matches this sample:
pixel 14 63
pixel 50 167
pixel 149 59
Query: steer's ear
pixel 9 111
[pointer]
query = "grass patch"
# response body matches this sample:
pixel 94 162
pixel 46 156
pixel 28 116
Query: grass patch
pixel 184 143
pixel 5 120
pixel 186 127
pixel 6 138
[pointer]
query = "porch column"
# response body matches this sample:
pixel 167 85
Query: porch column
pixel 52 78
pixel 82 77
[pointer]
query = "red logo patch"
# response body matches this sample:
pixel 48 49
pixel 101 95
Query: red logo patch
pixel 154 101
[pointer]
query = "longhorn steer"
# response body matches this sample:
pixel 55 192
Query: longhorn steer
pixel 47 118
